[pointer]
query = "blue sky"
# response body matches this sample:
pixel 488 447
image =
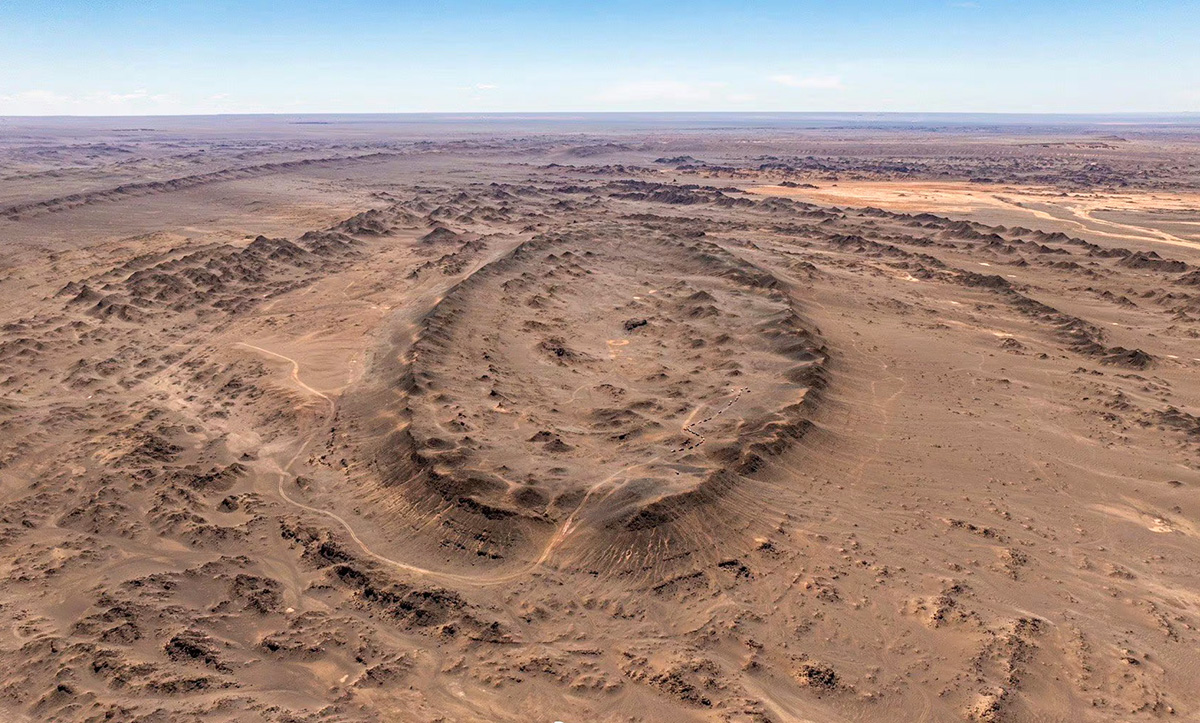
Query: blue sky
pixel 224 56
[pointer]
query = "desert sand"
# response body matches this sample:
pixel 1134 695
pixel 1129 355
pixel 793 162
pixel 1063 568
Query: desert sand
pixel 598 419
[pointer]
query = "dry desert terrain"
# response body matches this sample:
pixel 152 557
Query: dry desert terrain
pixel 599 418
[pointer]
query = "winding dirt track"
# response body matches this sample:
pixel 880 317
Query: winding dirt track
pixel 285 475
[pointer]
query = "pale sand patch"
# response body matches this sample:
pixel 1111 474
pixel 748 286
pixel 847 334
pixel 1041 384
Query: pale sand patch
pixel 962 197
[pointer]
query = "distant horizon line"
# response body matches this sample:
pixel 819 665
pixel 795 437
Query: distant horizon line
pixel 543 113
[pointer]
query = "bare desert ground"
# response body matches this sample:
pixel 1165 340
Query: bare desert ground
pixel 599 418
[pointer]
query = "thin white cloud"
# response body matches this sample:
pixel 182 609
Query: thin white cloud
pixel 42 102
pixel 36 101
pixel 135 95
pixel 139 97
pixel 657 90
pixel 811 82
pixel 35 96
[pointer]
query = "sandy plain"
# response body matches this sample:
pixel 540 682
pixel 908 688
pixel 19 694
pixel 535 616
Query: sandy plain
pixel 621 419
